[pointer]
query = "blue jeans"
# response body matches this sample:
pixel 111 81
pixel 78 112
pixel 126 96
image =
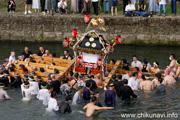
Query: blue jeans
pixel 128 14
pixel 80 2
pixel 164 8
pixel 55 4
pixel 141 13
pixel 173 6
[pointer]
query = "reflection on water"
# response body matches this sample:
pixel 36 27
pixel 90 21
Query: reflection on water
pixel 146 102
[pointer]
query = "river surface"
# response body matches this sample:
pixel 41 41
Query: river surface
pixel 16 109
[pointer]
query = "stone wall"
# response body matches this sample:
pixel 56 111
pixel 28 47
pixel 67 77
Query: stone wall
pixel 136 30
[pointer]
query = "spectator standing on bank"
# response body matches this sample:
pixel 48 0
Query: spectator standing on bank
pixel 28 5
pixel 107 6
pixel 86 8
pixel 95 6
pixel 80 5
pixel 48 6
pixel 153 6
pixel 55 5
pixel 101 5
pixel 36 5
pixel 125 3
pixel 173 6
pixel 162 3
pixel 74 6
pixel 114 4
pixel 43 5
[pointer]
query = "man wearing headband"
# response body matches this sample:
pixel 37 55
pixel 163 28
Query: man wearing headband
pixel 172 64
pixel 47 95
pixel 53 104
pixel 168 79
pixel 135 63
pixel 155 68
pixel 110 96
pixel 43 91
pixel 146 84
pixel 133 81
pixel 177 76
pixel 3 93
pixel 35 86
pixel 126 92
pixel 26 91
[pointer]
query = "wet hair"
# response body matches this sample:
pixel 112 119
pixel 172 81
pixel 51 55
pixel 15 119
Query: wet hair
pixel 41 69
pixel 39 78
pixel 21 65
pixel 88 84
pixel 2 84
pixel 26 83
pixel 66 51
pixel 71 73
pixel 54 54
pixel 135 56
pixel 49 87
pixel 119 76
pixel 31 77
pixel 53 94
pixel 65 80
pixel 158 75
pixel 137 69
pixel 134 74
pixel 43 84
pixel 67 98
pixel 124 61
pixel 92 76
pixel 12 65
pixel 93 99
pixel 26 76
pixel 76 75
pixel 173 55
pixel 56 71
pixel 6 72
pixel 160 80
pixel 145 61
pixel 113 76
pixel 80 87
pixel 11 69
pixel 113 61
pixel 143 77
pixel 33 73
pixel 125 81
pixel 53 63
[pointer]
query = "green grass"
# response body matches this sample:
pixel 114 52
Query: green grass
pixel 20 8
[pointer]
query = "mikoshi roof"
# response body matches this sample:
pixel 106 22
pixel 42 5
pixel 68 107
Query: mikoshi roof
pixel 92 42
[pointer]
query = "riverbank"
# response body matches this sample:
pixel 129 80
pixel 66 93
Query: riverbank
pixel 136 30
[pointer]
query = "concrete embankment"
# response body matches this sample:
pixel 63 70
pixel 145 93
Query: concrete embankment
pixel 136 30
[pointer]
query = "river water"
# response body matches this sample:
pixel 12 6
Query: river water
pixel 16 109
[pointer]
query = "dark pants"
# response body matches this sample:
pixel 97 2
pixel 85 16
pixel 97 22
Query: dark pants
pixel 125 2
pixel 173 6
pixel 42 5
pixel 95 6
pixel 80 5
pixel 55 5
pixel 12 8
pixel 129 13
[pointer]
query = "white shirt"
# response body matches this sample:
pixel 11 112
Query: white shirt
pixel 63 6
pixel 46 98
pixel 134 84
pixel 130 7
pixel 125 77
pixel 137 64
pixel 12 59
pixel 52 105
pixel 94 0
pixel 35 86
pixel 41 94
pixel 26 93
pixel 162 2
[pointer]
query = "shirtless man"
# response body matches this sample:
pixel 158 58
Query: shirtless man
pixel 177 76
pixel 173 62
pixel 98 80
pixel 91 107
pixel 168 79
pixel 155 68
pixel 147 85
pixel 47 54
